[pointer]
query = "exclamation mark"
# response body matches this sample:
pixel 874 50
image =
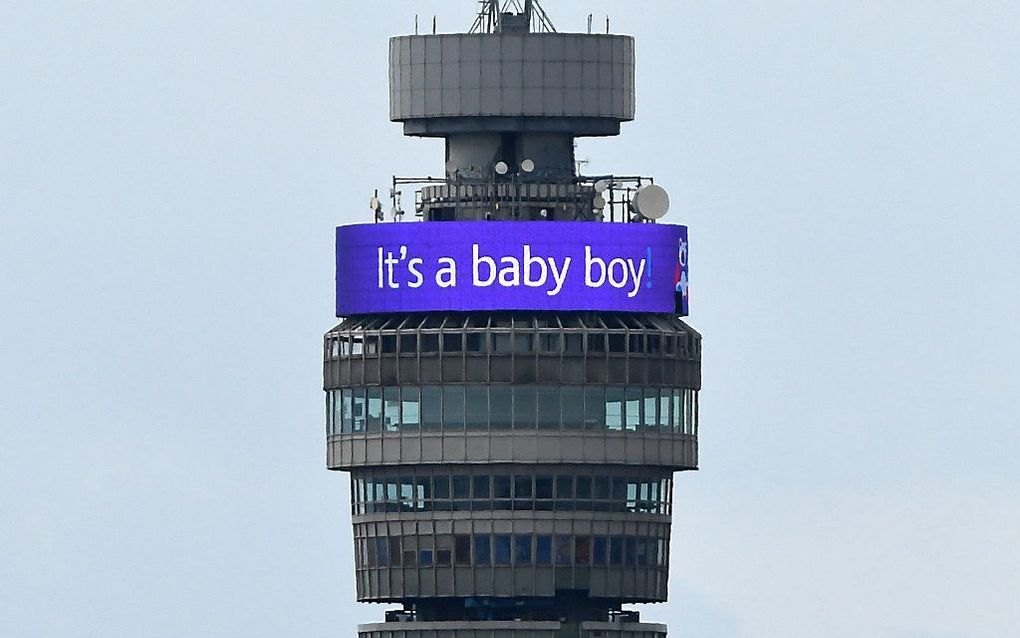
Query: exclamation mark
pixel 649 268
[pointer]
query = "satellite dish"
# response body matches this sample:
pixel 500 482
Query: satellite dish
pixel 374 203
pixel 527 166
pixel 651 201
pixel 451 166
pixel 599 202
pixel 502 168
pixel 601 186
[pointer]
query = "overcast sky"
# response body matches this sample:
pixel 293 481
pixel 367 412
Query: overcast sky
pixel 170 176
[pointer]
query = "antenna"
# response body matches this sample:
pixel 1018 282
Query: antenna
pixel 529 14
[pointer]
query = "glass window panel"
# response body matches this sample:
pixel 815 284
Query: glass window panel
pixel 564 487
pixel 394 543
pixel 524 342
pixel 594 408
pixel 617 343
pixel 477 404
pixel 410 411
pixel 694 421
pixel 573 406
pixel 584 487
pixel 482 496
pixel 501 549
pixel 345 411
pixel 614 408
pixel 441 486
pixel 410 558
pixel 430 342
pixel 543 550
pixel 389 344
pixel 358 409
pixel 453 407
pixel 501 492
pixel 501 407
pixel 548 408
pixel 462 549
pixel 373 418
pixel 543 487
pixel 476 342
pixel 391 408
pixel 637 343
pixel 431 407
pixel 453 342
pixel 678 410
pixel 650 417
pixel 481 486
pixel 525 398
pixel 598 551
pixel 443 557
pixel 597 342
pixel 573 343
pixel 563 549
pixel 356 347
pixel 522 487
pixel 664 406
pixel 425 558
pixel 630 551
pixel 642 552
pixel 461 487
pixel 550 342
pixel 330 418
pixel 633 413
pixel 422 493
pixel 483 549
pixel 408 344
pixel 382 552
pixel 582 550
pixel 501 342
pixel 522 549
pixel 601 485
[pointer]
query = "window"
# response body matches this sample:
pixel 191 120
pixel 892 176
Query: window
pixel 431 407
pixel 462 549
pixel 409 408
pixel 391 409
pixel 563 544
pixel 616 551
pixel 614 408
pixel 548 408
pixel 525 399
pixel 598 551
pixel 573 406
pixel 477 404
pixel 522 549
pixel 453 407
pixel 501 549
pixel 483 549
pixel 582 550
pixel 501 407
pixel 543 550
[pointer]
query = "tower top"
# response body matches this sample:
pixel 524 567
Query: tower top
pixel 512 16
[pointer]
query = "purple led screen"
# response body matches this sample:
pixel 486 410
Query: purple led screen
pixel 464 266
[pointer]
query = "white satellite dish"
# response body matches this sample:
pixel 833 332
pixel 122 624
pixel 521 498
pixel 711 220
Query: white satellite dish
pixel 527 166
pixel 502 168
pixel 451 166
pixel 599 202
pixel 651 201
pixel 601 186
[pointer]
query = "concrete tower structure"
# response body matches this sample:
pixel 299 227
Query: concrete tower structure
pixel 510 396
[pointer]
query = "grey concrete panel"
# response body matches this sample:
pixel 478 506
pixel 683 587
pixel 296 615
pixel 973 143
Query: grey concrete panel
pixel 671 450
pixel 552 62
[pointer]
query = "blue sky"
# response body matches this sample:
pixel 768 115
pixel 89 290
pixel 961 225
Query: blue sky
pixel 170 175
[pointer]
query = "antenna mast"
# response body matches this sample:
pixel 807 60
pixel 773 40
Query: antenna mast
pixel 530 13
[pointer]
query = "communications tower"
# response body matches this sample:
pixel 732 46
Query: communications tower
pixel 511 386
